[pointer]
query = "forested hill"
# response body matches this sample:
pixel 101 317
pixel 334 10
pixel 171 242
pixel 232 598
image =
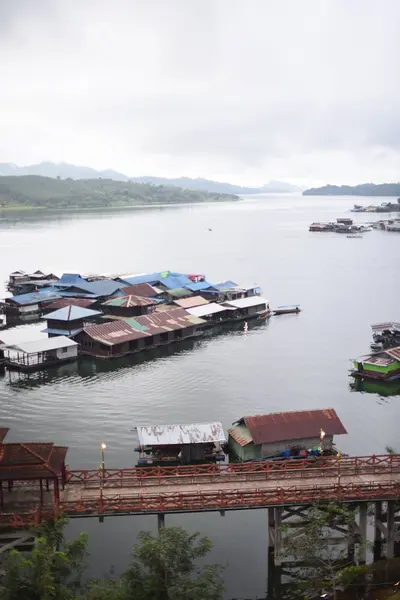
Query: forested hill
pixel 32 191
pixel 364 189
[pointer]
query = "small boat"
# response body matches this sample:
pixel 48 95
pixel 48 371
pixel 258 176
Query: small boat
pixel 286 310
pixel 355 236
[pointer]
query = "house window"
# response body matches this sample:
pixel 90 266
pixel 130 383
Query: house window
pixel 64 349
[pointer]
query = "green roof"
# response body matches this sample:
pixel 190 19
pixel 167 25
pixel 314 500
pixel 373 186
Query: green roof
pixel 135 325
pixel 179 292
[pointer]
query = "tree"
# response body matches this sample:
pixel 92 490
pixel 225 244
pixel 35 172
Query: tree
pixel 322 567
pixel 53 570
pixel 164 568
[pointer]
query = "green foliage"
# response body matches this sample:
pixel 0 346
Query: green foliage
pixel 53 570
pixel 32 191
pixel 390 450
pixel 322 565
pixel 164 568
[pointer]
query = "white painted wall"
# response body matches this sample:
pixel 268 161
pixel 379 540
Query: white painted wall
pixel 69 352
pixel 28 309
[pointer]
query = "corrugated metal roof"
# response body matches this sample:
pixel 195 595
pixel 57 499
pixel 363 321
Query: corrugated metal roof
pixel 174 282
pixel 179 292
pixel 3 433
pixel 200 285
pixel 69 332
pixel 165 435
pixel 145 290
pixel 31 460
pixel 144 278
pixel 247 302
pixel 176 318
pixel 240 434
pixel 83 302
pixel 293 425
pixel 42 345
pixel 34 297
pixel 113 333
pixel 191 302
pixel 128 301
pixel 382 326
pixel 225 285
pixel 71 313
pixel 208 309
pixel 394 353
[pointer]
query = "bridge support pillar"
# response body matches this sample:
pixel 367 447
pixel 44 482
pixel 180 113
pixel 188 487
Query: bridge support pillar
pixel 377 531
pixel 390 536
pixel 363 532
pixel 275 533
pixel 160 521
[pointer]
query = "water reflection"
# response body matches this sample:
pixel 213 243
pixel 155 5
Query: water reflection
pixel 381 388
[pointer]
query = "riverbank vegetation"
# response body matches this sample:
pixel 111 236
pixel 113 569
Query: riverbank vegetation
pixel 163 567
pixel 35 192
pixel 364 189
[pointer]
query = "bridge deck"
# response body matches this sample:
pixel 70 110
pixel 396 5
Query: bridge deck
pixel 211 487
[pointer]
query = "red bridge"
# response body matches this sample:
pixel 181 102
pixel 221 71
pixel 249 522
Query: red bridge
pixel 211 487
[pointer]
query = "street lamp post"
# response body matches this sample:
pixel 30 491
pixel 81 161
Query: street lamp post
pixel 102 448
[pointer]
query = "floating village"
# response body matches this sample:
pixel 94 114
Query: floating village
pixel 347 226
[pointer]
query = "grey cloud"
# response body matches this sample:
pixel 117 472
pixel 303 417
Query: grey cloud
pixel 204 87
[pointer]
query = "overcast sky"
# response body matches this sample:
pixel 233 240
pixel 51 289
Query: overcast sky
pixel 245 91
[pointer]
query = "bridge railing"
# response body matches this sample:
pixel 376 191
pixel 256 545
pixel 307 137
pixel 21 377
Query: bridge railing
pixel 275 470
pixel 231 499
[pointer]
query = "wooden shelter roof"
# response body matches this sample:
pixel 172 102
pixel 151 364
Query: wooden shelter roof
pixel 31 460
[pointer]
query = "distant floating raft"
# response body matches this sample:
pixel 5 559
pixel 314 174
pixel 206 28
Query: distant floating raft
pixel 287 309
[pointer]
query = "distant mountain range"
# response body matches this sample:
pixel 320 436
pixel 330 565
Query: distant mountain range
pixel 364 189
pixel 65 170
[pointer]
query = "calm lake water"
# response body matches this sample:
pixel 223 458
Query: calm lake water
pixel 291 362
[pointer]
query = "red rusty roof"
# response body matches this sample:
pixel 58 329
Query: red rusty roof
pixel 3 433
pixel 394 353
pixel 160 322
pixel 82 302
pixel 129 301
pixel 31 460
pixel 293 425
pixel 113 333
pixel 140 289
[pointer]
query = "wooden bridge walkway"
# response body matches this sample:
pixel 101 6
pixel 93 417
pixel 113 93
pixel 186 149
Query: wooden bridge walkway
pixel 214 487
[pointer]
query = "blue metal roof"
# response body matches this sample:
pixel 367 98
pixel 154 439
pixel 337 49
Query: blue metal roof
pixel 225 285
pixel 103 287
pixel 82 294
pixel 173 283
pixel 62 331
pixel 35 297
pixel 196 287
pixel 71 313
pixel 146 278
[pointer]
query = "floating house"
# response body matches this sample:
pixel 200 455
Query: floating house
pixel 213 313
pixel 69 320
pixel 261 436
pixel 29 305
pixel 129 306
pixel 144 290
pixel 27 282
pixel 40 354
pixel 180 444
pixel 384 365
pixel 250 307
pixel 61 302
pixel 131 335
pixel 191 302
